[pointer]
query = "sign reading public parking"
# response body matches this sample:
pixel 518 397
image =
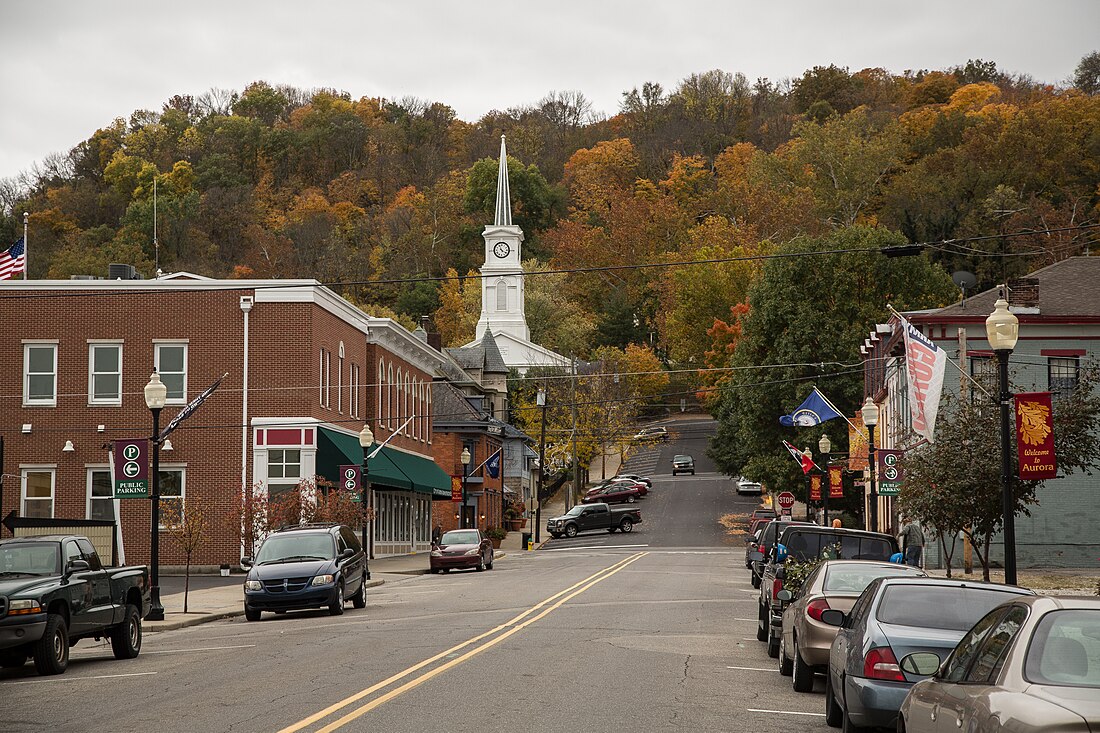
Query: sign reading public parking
pixel 785 501
pixel 132 469
pixel 889 472
pixel 349 477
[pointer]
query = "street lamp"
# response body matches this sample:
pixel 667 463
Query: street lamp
pixel 1002 328
pixel 366 440
pixel 870 419
pixel 540 400
pixel 465 458
pixel 156 394
pixel 824 446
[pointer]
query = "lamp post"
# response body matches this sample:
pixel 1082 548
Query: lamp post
pixel 366 440
pixel 825 446
pixel 540 400
pixel 870 419
pixel 1002 328
pixel 156 393
pixel 809 483
pixel 465 458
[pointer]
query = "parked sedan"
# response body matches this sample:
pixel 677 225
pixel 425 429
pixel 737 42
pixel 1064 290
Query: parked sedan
pixel 617 493
pixel 893 618
pixel 836 584
pixel 1032 664
pixel 461 548
pixel 634 477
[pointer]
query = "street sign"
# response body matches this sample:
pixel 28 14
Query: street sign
pixel 349 477
pixel 785 501
pixel 890 474
pixel 132 468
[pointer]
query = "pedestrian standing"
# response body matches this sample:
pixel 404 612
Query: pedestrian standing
pixel 437 534
pixel 911 539
pixel 837 523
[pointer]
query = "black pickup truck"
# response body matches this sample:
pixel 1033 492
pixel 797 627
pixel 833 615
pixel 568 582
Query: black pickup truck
pixel 54 591
pixel 584 517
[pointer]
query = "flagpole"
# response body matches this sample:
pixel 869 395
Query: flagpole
pixel 905 322
pixel 26 248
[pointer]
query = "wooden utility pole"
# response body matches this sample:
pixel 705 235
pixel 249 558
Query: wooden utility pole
pixel 968 551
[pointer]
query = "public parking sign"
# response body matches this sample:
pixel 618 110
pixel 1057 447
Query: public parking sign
pixel 786 502
pixel 132 469
pixel 349 477
pixel 890 474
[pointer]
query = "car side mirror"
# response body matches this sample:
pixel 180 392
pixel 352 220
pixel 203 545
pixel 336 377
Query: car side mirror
pixel 833 617
pixel 923 664
pixel 76 566
pixel 246 562
pixel 784 595
pixel 781 572
pixel 345 554
pixel 756 556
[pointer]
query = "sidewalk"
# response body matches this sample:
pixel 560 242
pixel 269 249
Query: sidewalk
pixel 226 601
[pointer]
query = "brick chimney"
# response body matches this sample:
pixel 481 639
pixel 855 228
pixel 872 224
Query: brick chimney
pixel 1023 292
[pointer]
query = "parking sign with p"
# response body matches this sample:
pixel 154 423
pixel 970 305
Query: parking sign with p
pixel 132 468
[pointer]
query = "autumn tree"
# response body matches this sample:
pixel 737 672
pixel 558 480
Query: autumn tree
pixel 189 524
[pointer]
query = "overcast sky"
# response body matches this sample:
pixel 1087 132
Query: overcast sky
pixel 70 68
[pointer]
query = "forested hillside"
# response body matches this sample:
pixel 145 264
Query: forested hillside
pixel 273 181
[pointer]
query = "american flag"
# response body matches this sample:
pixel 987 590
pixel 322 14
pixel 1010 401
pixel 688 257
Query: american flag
pixel 13 260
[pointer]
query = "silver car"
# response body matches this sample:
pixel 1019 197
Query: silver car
pixel 1031 664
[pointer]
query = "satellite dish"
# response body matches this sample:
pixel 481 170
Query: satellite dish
pixel 964 279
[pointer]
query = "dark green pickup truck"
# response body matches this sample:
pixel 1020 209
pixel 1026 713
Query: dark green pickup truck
pixel 54 591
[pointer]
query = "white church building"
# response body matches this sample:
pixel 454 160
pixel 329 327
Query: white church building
pixel 502 279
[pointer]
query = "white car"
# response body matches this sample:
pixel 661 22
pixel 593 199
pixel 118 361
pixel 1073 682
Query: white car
pixel 646 435
pixel 744 486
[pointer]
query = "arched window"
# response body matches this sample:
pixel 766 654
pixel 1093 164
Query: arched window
pixel 389 396
pixel 381 380
pixel 428 415
pixel 502 295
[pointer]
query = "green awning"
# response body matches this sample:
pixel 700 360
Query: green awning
pixel 392 468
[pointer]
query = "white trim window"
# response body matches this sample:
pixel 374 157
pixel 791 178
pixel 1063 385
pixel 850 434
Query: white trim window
pixel 173 490
pixel 378 388
pixel 284 470
pixel 325 366
pixel 105 373
pixel 170 362
pixel 38 491
pixel 101 502
pixel 40 373
pixel 353 391
pixel 340 386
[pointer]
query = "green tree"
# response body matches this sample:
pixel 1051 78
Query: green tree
pixel 1086 76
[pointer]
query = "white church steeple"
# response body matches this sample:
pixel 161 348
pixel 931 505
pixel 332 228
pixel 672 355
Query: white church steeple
pixel 502 301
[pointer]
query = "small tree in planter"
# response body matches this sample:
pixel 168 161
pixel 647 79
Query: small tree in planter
pixel 188 524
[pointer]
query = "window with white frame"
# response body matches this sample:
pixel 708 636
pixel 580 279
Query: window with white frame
pixel 353 391
pixel 284 470
pixel 389 397
pixel 38 492
pixel 101 502
pixel 40 374
pixel 378 390
pixel 173 490
pixel 105 373
pixel 340 386
pixel 170 361
pixel 1062 374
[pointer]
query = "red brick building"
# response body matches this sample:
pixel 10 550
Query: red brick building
pixel 305 370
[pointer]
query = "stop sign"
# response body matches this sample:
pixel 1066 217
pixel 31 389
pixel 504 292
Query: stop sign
pixel 785 500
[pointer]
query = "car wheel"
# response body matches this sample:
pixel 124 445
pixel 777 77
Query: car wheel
pixel 784 661
pixel 336 608
pixel 480 563
pixel 693 472
pixel 846 724
pixel 433 571
pixel 832 708
pixel 626 525
pixel 489 565
pixel 126 637
pixel 761 622
pixel 359 600
pixel 773 638
pixel 252 614
pixel 571 530
pixel 13 660
pixel 802 678
pixel 51 652
pixel 755 580
pixel 556 535
pixel 631 499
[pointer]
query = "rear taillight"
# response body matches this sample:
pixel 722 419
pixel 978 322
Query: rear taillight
pixel 815 607
pixel 881 664
pixel 777 585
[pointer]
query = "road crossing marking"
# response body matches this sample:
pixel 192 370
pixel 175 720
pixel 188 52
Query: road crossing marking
pixel 80 679
pixel 509 628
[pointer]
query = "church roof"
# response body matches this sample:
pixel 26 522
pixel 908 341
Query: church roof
pixel 484 356
pixel 449 405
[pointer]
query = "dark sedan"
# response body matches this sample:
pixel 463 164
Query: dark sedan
pixel 893 618
pixel 461 548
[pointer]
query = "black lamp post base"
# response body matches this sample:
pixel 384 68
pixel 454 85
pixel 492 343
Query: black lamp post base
pixel 156 609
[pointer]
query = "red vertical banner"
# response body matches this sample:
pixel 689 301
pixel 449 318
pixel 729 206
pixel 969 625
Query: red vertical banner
pixel 1035 436
pixel 836 482
pixel 456 489
pixel 815 487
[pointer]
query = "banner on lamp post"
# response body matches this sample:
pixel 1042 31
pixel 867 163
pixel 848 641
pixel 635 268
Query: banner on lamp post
pixel 350 478
pixel 1035 436
pixel 836 482
pixel 815 487
pixel 857 444
pixel 456 489
pixel 131 477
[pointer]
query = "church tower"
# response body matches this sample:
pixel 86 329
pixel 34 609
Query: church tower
pixel 502 309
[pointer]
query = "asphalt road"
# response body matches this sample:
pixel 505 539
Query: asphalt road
pixel 657 635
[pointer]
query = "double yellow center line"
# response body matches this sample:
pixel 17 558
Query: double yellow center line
pixel 481 643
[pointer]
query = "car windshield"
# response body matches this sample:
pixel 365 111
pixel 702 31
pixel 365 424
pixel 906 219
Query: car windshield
pixel 294 547
pixel 1065 649
pixel 853 578
pixel 38 558
pixel 808 545
pixel 953 608
pixel 461 537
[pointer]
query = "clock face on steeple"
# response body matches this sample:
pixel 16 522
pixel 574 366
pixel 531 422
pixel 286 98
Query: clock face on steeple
pixel 501 249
